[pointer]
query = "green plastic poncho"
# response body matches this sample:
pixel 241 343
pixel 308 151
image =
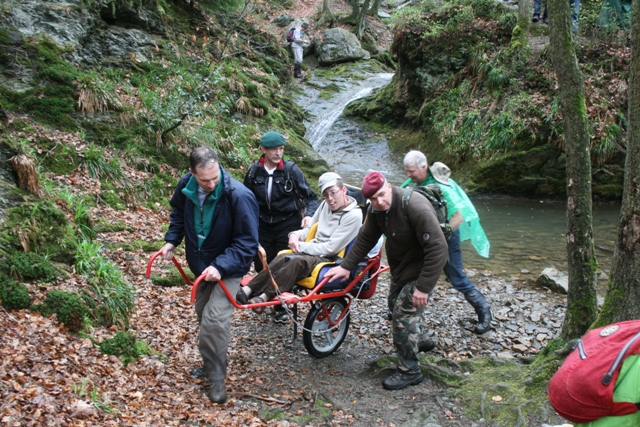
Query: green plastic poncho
pixel 457 200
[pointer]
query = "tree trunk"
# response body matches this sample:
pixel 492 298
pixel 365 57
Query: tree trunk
pixel 520 34
pixel 623 294
pixel 27 176
pixel 582 297
pixel 326 7
pixel 362 19
pixel 355 9
pixel 374 9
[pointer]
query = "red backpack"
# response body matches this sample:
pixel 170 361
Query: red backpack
pixel 291 35
pixel 582 389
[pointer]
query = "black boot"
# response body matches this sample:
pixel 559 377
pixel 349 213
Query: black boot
pixel 297 71
pixel 482 308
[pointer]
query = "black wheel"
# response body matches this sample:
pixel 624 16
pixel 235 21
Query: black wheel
pixel 326 326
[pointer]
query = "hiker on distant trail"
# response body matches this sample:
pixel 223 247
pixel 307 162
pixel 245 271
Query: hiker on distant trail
pixel 465 223
pixel 285 200
pixel 417 252
pixel 297 47
pixel 218 219
pixel 339 218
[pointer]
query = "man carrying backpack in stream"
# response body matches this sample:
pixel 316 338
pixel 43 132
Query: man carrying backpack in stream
pixel 464 223
pixel 297 38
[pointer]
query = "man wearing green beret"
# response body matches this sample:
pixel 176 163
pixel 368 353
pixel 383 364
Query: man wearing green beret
pixel 285 199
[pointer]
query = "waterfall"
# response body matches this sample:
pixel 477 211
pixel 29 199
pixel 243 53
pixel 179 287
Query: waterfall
pixel 318 128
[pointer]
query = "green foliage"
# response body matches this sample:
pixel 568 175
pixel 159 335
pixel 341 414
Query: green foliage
pixel 80 209
pixel 52 105
pixel 14 296
pixel 30 266
pixel 85 390
pixel 216 6
pixel 96 94
pixel 42 228
pixel 497 79
pixel 69 308
pixel 126 346
pixel 61 160
pixel 110 297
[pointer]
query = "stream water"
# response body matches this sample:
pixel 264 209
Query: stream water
pixel 526 235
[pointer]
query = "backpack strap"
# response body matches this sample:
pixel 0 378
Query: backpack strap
pixel 405 202
pixel 288 168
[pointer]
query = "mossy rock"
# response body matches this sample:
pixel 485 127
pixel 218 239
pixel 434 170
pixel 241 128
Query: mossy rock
pixel 14 296
pixel 173 278
pixel 69 308
pixel 30 266
pixel 105 226
pixel 134 245
pixel 126 346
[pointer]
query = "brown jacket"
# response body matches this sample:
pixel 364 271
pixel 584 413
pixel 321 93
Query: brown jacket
pixel 416 250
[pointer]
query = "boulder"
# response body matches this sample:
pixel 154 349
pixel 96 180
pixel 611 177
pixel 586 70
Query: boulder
pixel 553 279
pixel 339 45
pixel 283 20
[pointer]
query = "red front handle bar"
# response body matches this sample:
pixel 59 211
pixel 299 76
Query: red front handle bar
pixel 290 298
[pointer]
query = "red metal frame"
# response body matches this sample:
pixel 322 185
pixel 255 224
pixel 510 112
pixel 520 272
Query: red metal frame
pixel 285 297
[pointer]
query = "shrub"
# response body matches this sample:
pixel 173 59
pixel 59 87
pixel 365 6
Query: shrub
pixel 31 266
pixel 125 346
pixel 14 296
pixel 69 308
pixel 110 296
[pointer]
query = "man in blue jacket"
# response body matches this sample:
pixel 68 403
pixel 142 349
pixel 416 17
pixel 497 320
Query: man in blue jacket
pixel 218 218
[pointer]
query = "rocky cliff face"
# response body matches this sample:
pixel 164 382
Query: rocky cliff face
pixel 95 34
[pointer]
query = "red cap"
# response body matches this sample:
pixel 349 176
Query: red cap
pixel 372 182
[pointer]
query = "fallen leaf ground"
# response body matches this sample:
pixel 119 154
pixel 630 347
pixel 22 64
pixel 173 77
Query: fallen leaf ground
pixel 50 377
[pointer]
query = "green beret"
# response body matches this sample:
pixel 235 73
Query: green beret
pixel 272 139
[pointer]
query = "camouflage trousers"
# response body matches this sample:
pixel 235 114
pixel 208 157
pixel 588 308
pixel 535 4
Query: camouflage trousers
pixel 406 325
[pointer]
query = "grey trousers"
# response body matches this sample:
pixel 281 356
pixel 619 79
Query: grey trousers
pixel 297 53
pixel 214 317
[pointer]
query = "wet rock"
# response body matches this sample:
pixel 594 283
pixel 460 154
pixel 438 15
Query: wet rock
pixel 553 279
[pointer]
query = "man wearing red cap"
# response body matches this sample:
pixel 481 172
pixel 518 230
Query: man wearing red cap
pixel 416 251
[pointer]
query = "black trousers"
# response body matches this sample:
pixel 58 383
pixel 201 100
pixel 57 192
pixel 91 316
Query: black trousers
pixel 275 237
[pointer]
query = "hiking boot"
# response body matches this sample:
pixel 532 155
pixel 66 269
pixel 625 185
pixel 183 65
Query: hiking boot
pixel 482 309
pixel 241 297
pixel 218 392
pixel 281 317
pixel 198 372
pixel 535 17
pixel 425 344
pixel 400 379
